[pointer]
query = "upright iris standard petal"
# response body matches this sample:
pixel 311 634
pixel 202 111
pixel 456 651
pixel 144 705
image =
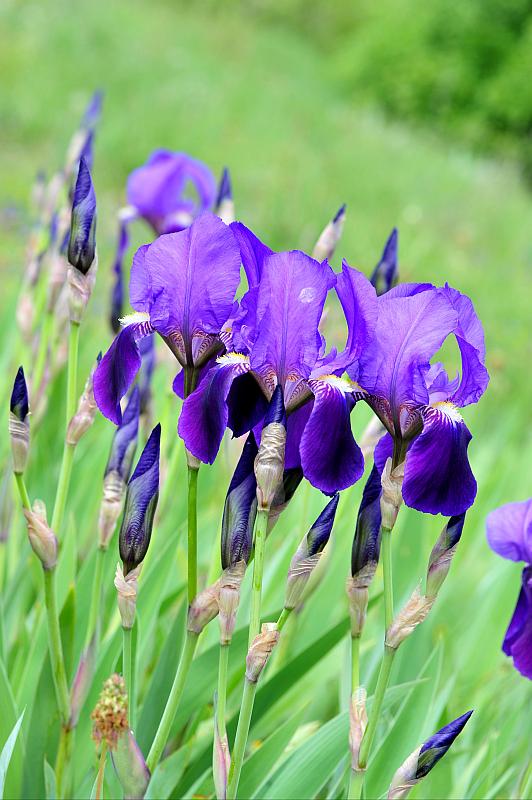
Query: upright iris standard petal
pixel 125 439
pixel 518 639
pixel 117 294
pixel 240 509
pixel 385 274
pixel 160 190
pixel 117 369
pixel 82 243
pixel 509 530
pixel 367 539
pixel 19 404
pixel 438 478
pixel 141 502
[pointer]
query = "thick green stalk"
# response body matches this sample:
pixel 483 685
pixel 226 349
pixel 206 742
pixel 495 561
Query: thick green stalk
pixel 96 597
pixel 386 550
pixel 380 691
pixel 222 688
pixel 62 487
pixel 176 692
pixel 72 379
pixel 355 663
pixel 356 784
pixel 56 647
pixel 192 533
pixel 258 569
pixel 127 670
pixel 23 492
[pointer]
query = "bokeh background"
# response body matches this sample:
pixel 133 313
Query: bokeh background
pixel 417 115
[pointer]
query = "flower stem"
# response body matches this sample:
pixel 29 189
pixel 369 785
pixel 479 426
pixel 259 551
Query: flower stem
pixel 355 662
pixel 176 692
pixel 23 492
pixel 101 772
pixel 62 763
pixel 73 347
pixel 93 624
pixel 127 670
pixel 258 569
pixel 62 488
pixel 380 691
pixel 222 688
pixel 56 647
pixel 386 549
pixel 356 784
pixel 192 533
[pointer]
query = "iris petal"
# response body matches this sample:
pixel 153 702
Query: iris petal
pixel 509 530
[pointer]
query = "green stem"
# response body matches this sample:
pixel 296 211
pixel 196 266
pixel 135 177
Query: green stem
pixel 283 618
pixel 192 534
pixel 94 613
pixel 23 492
pixel 258 569
pixel 386 550
pixel 56 647
pixel 62 487
pixel 242 732
pixel 127 671
pixel 356 784
pixel 355 663
pixel 165 725
pixel 380 691
pixel 62 762
pixel 222 689
pixel 73 347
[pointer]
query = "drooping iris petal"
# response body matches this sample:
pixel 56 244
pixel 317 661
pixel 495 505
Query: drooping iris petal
pixel 82 242
pixel 438 478
pixel 410 329
pixel 117 369
pixel 159 190
pixel 187 282
pixel 125 439
pixel 518 639
pixel 204 416
pixel 366 541
pixel 470 338
pixel 330 457
pixel 246 405
pixel 359 303
pixel 296 423
pixel 141 501
pixel 19 403
pixel 438 744
pixel 290 302
pixel 509 530
pixel 385 273
pixel 240 508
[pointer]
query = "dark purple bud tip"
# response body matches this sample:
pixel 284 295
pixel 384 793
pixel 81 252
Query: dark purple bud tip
pixel 455 527
pixel 93 110
pixel 19 404
pixel 340 214
pixel 366 542
pixel 125 439
pixel 319 534
pixel 436 747
pixel 82 243
pixel 276 411
pixel 240 508
pixel 385 274
pixel 225 189
pixel 141 501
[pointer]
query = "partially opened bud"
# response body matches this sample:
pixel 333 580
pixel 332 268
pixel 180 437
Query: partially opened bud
pixel 308 554
pixel 358 719
pixel 19 423
pixel 240 508
pixel 330 236
pixel 407 620
pixel 224 206
pixel 421 761
pixel 203 609
pixel 126 585
pixel 385 274
pixel 229 598
pixel 260 651
pixel 392 497
pixel 442 554
pixel 365 551
pixel 42 538
pixel 292 477
pixel 131 768
pixel 82 244
pixel 86 411
pixel 141 501
pixel 269 463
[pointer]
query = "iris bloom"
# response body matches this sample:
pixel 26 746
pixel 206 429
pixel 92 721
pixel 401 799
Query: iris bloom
pixel 274 339
pixel 510 535
pixel 170 190
pixel 182 287
pixel 416 401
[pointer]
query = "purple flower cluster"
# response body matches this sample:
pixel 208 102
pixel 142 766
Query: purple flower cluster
pixel 234 353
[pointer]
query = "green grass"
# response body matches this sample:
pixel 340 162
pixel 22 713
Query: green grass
pixel 258 100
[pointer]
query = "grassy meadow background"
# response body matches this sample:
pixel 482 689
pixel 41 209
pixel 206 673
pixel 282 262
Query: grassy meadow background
pixel 235 87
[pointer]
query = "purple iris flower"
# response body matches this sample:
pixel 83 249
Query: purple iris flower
pixel 416 401
pixel 82 240
pixel 509 531
pixel 182 287
pixel 273 339
pixel 170 190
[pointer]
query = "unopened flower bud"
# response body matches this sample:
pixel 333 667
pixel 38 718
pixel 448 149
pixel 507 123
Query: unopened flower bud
pixel 391 499
pixel 371 436
pixel 221 758
pixel 192 462
pixel 421 761
pixel 125 439
pixel 130 766
pixel 80 288
pixel 358 719
pixel 42 538
pixel 412 615
pixel 114 490
pixel 365 552
pixel 308 554
pixel 385 274
pixel 229 598
pixel 82 243
pixel 141 501
pixel 224 206
pixel 126 585
pixel 203 609
pixel 260 651
pixel 240 508
pixel 292 477
pixel 442 554
pixel 19 424
pixel 269 463
pixel 330 236
pixel 86 411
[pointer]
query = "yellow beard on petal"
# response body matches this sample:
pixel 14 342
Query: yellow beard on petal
pixel 449 409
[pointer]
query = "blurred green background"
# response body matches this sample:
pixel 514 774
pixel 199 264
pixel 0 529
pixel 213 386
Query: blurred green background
pixel 417 116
